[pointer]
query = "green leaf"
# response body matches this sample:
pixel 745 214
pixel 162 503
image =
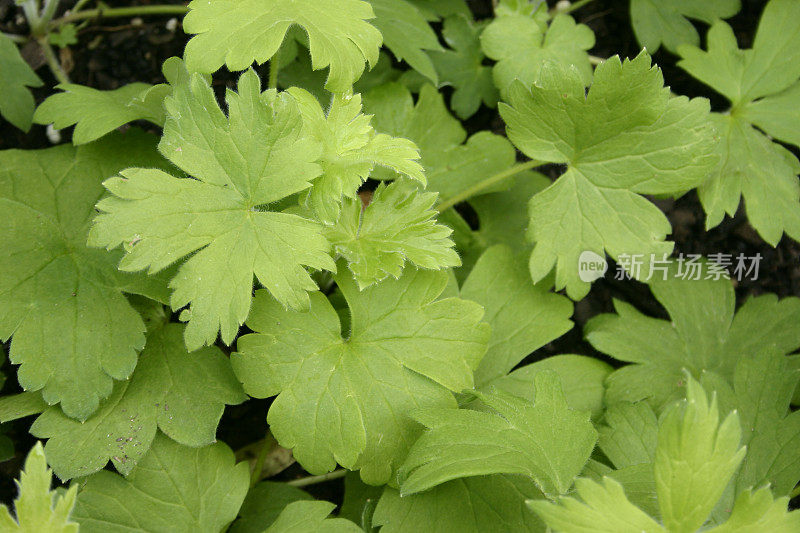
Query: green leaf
pixel 66 35
pixel 657 22
pixel 303 516
pixel 450 164
pixel 696 456
pixel 468 505
pixel 604 509
pixel 626 138
pixel 359 501
pixel 629 435
pixel 263 505
pixel 236 33
pixel 347 400
pixel 62 301
pixel 398 225
pixel 38 509
pixel 21 405
pixel 763 385
pixel 497 212
pixel 462 68
pixel 182 394
pixel 16 104
pixel 546 441
pixel 523 46
pixel 523 316
pixel 173 489
pixel 582 379
pixel 407 34
pixel 350 151
pixel 254 157
pixel 703 335
pixel 757 511
pixel 96 113
pixel 762 85
pixel 436 9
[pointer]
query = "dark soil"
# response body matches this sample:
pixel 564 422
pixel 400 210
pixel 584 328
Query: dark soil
pixel 115 52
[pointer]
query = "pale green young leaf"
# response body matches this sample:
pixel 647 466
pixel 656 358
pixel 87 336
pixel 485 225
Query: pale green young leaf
pixel 16 102
pixel 703 335
pixel 348 400
pixel 174 489
pixel 523 316
pixel 626 138
pixel 307 515
pixel 465 505
pixel 237 32
pixel 757 512
pixel 522 46
pixel 351 149
pixel 397 226
pixel 255 156
pixel 604 509
pixel 462 68
pixel 582 379
pixel 183 394
pixel 263 504
pixel 52 287
pixel 657 22
pixel 450 164
pixel 37 508
pixel 407 34
pixel 95 113
pixel 695 458
pixel 762 85
pixel 546 441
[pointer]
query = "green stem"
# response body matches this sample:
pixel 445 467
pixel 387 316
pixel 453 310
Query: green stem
pixel 594 60
pixel 15 38
pixel 136 11
pixel 486 183
pixel 274 68
pixel 79 5
pixel 48 12
pixel 576 6
pixel 52 60
pixel 31 10
pixel 266 446
pixel 311 480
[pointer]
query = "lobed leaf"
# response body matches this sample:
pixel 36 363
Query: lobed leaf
pixel 347 400
pixel 255 156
